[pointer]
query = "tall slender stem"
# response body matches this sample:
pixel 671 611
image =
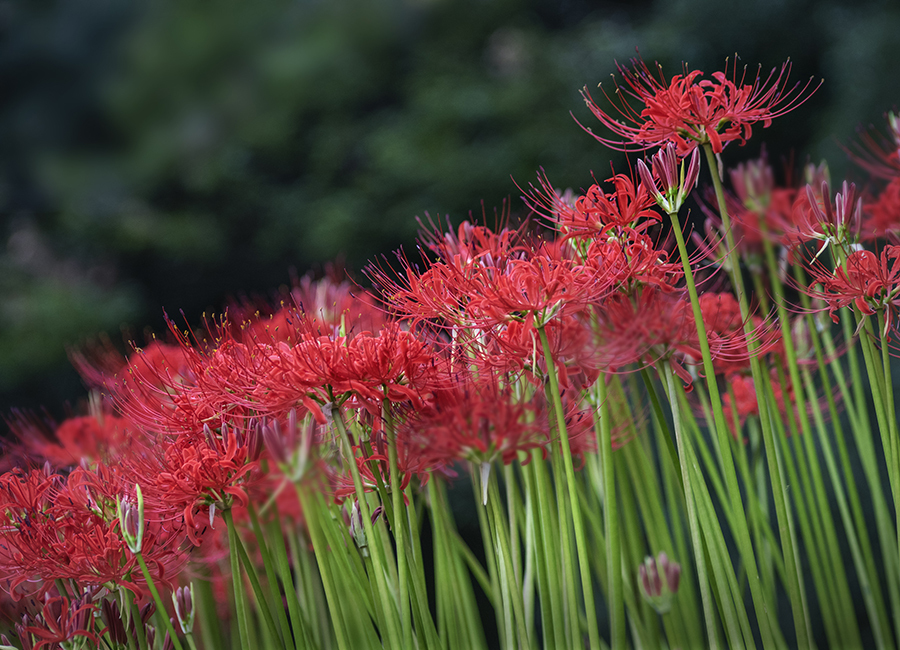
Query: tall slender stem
pixel 577 521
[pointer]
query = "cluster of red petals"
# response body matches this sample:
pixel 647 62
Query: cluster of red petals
pixel 475 419
pixel 878 155
pixel 653 326
pixel 59 620
pixel 866 280
pixel 595 212
pixel 393 365
pixel 689 110
pixel 881 213
pixel 742 401
pixel 67 527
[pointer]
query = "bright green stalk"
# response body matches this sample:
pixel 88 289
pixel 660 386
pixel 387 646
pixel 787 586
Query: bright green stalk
pixel 138 624
pixel 320 547
pixel 160 606
pixel 776 473
pixel 421 610
pixel 500 603
pixel 857 411
pixel 504 549
pixel 616 612
pixel 686 457
pixel 399 531
pixel 874 605
pixel 685 613
pixel 237 545
pixel 547 523
pixel 269 567
pixel 298 626
pixel 610 516
pixel 844 603
pixel 391 615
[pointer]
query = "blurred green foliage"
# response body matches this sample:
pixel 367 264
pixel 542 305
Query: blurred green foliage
pixel 173 153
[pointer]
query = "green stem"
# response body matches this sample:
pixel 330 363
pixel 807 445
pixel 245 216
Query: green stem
pixel 776 471
pixel 378 559
pixel 610 517
pixel 618 638
pixel 669 378
pixel 160 606
pixel 399 531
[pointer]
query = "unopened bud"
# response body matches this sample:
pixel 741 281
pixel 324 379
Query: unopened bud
pixel 357 530
pixel 659 579
pixel 183 599
pixel 670 182
pixel 131 520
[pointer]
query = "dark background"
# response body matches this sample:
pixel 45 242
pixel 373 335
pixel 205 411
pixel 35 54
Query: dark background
pixel 170 154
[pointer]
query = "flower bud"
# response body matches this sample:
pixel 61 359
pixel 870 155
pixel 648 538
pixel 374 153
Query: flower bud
pixel 659 579
pixel 183 599
pixel 669 183
pixel 357 530
pixel 131 520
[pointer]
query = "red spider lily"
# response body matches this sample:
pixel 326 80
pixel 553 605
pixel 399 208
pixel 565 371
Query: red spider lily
pixel 690 111
pixel 442 291
pixel 375 470
pixel 595 212
pixel 758 207
pixel 867 281
pixel 651 326
pixel 188 474
pixel 86 438
pixel 392 366
pixel 514 347
pixel 878 155
pixel 633 260
pixel 534 290
pixel 333 302
pixel 60 620
pixel 474 419
pixel 816 217
pixel 54 528
pixel 472 244
pixel 146 385
pixel 745 401
pixel 881 215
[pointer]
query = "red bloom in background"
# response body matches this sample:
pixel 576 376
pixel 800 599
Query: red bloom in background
pixel 60 620
pixel 867 281
pixel 651 326
pixel 746 402
pixel 881 214
pixel 878 155
pixel 393 366
pixel 475 419
pixel 596 211
pixel 690 111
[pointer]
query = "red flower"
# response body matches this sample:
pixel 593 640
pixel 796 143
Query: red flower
pixel 182 476
pixel 55 528
pixel 690 111
pixel 596 211
pixel 392 366
pixel 881 215
pixel 87 438
pixel 878 155
pixel 475 419
pixel 866 280
pixel 60 620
